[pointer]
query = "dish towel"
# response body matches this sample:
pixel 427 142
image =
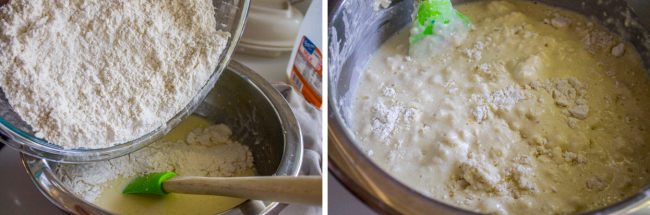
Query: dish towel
pixel 309 119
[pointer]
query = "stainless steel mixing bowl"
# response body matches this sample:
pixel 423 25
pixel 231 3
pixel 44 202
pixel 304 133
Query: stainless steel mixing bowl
pixel 259 117
pixel 231 17
pixel 356 31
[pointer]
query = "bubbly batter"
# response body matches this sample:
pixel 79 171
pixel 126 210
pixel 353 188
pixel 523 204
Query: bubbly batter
pixel 538 110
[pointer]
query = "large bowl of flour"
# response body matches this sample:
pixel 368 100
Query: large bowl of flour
pixel 93 80
pixel 250 127
pixel 394 144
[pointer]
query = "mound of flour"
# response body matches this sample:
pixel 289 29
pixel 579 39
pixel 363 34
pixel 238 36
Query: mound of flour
pixel 205 152
pixel 92 74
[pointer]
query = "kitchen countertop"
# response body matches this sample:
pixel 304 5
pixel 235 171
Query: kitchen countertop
pixel 18 194
pixel 341 201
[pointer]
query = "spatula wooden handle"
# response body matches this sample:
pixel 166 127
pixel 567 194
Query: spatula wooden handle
pixel 287 189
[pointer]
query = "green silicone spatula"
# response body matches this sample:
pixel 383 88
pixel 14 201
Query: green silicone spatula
pixel 436 24
pixel 286 189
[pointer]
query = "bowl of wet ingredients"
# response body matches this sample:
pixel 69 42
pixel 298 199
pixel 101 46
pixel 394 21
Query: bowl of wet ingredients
pixel 540 108
pixel 243 127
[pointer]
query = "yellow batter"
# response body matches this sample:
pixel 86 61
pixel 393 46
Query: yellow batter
pixel 111 198
pixel 539 110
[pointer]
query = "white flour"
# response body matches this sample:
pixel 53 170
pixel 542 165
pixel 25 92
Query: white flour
pixel 503 98
pixel 92 74
pixel 384 119
pixel 381 4
pixel 205 152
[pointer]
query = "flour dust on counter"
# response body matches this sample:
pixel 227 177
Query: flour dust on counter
pixel 194 148
pixel 538 110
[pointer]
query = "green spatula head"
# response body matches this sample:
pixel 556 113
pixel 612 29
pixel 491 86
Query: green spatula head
pixel 149 184
pixel 438 20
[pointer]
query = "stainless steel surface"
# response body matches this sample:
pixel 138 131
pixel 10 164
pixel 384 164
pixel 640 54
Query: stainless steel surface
pixel 14 132
pixel 356 31
pixel 259 117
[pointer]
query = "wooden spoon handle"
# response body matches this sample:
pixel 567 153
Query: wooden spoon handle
pixel 286 189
